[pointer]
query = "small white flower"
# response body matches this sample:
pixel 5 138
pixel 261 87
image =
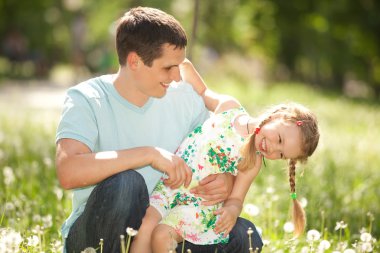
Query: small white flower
pixel 366 247
pixel 36 218
pixel 303 202
pixel 270 190
pixel 47 221
pixel 349 251
pixel 305 249
pixel 288 227
pixel 266 242
pixel 251 209
pixel 33 241
pixel 324 245
pixel 340 225
pixel 9 176
pixel 9 206
pixel 313 235
pixel 131 231
pixel 366 237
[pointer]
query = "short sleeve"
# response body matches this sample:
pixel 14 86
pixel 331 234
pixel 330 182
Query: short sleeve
pixel 78 120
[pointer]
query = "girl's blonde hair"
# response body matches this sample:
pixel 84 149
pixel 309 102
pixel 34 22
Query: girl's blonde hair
pixel 307 121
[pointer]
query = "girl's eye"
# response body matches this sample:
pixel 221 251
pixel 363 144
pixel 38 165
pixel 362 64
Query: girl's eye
pixel 279 139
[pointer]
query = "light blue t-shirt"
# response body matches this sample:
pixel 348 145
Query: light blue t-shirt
pixel 95 114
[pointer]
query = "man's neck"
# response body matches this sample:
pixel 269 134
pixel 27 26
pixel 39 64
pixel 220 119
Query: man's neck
pixel 125 85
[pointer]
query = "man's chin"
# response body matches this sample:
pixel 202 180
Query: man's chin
pixel 160 95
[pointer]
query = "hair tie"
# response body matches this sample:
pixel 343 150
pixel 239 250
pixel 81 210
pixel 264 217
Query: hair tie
pixel 257 130
pixel 293 195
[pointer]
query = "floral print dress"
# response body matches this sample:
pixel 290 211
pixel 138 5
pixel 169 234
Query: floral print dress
pixel 210 149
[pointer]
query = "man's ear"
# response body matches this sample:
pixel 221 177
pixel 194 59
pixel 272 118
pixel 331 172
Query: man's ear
pixel 133 60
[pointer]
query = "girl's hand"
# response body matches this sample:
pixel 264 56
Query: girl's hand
pixel 227 219
pixel 190 75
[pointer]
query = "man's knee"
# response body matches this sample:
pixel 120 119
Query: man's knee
pixel 121 195
pixel 239 237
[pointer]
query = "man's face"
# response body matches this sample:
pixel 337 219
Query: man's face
pixel 154 81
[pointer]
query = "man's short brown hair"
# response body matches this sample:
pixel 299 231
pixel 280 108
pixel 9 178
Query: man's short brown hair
pixel 144 30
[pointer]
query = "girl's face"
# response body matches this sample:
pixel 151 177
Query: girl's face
pixel 279 139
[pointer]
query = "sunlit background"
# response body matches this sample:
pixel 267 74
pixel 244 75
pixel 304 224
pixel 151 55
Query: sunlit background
pixel 324 54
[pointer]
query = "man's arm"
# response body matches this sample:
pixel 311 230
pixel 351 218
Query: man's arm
pixel 78 167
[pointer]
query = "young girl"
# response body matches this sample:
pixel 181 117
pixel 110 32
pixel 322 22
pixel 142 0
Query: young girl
pixel 230 141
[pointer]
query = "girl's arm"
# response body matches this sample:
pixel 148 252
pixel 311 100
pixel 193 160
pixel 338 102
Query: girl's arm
pixel 234 204
pixel 214 102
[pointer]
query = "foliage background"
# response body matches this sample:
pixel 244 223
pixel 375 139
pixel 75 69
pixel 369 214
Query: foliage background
pixel 324 54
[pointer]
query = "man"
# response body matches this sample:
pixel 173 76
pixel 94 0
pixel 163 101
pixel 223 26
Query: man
pixel 118 133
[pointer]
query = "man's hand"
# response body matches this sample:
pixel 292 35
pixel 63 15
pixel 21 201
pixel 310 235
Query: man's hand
pixel 227 219
pixel 214 188
pixel 175 168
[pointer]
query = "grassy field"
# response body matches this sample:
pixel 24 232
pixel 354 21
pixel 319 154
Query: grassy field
pixel 339 186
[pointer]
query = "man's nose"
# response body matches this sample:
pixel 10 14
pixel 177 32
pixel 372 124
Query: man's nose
pixel 175 74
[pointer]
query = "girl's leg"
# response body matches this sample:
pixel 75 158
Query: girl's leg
pixel 141 242
pixel 164 239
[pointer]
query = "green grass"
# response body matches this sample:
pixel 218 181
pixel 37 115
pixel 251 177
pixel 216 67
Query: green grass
pixel 340 182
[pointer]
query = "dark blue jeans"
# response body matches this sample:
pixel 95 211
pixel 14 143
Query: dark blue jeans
pixel 121 201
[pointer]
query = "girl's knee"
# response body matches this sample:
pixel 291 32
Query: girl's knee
pixel 161 234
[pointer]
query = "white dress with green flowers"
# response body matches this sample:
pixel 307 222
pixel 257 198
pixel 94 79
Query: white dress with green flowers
pixel 210 149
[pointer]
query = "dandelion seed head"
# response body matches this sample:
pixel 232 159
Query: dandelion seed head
pixel 266 242
pixel 340 225
pixel 33 241
pixel 47 221
pixel 366 247
pixel 275 197
pixel 131 231
pixel 303 202
pixel 349 251
pixel 36 218
pixel 9 176
pixel 324 245
pixel 270 190
pixel 10 239
pixel 371 217
pixel 288 227
pixel 313 235
pixel 365 237
pixel 9 206
pixel 251 209
pixel 58 192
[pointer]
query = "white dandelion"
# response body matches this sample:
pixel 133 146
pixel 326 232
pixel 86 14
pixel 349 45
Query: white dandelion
pixel 251 210
pixel 288 227
pixel 365 237
pixel 313 235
